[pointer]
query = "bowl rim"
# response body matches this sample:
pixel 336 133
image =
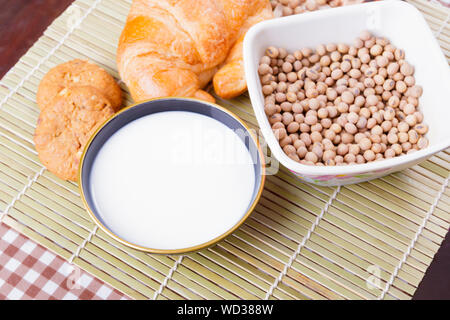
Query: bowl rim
pixel 253 78
pixel 181 250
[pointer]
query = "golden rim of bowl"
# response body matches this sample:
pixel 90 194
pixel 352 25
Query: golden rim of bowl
pixel 183 250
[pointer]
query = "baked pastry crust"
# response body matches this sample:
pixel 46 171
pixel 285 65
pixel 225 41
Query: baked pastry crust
pixel 65 126
pixel 78 73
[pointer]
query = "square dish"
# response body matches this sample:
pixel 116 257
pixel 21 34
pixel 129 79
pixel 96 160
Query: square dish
pixel 398 21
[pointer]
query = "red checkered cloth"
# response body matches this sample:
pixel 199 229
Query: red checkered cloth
pixel 29 271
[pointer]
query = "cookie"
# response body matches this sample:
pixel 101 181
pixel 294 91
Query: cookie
pixel 65 126
pixel 78 73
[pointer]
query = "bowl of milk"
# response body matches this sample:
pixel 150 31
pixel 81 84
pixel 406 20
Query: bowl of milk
pixel 171 175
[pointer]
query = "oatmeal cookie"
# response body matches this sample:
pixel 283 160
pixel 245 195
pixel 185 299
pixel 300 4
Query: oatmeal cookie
pixel 65 126
pixel 78 73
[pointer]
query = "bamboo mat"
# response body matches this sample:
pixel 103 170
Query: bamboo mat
pixel 374 240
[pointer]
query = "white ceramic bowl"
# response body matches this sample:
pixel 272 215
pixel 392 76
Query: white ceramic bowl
pixel 405 27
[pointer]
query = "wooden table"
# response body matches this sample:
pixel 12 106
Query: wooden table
pixel 23 21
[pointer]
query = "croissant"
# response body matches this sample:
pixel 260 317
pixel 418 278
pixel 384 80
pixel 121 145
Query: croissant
pixel 175 47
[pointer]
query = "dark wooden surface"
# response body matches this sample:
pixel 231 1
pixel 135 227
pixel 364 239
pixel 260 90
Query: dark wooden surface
pixel 23 21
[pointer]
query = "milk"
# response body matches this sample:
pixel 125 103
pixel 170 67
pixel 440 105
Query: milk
pixel 172 180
